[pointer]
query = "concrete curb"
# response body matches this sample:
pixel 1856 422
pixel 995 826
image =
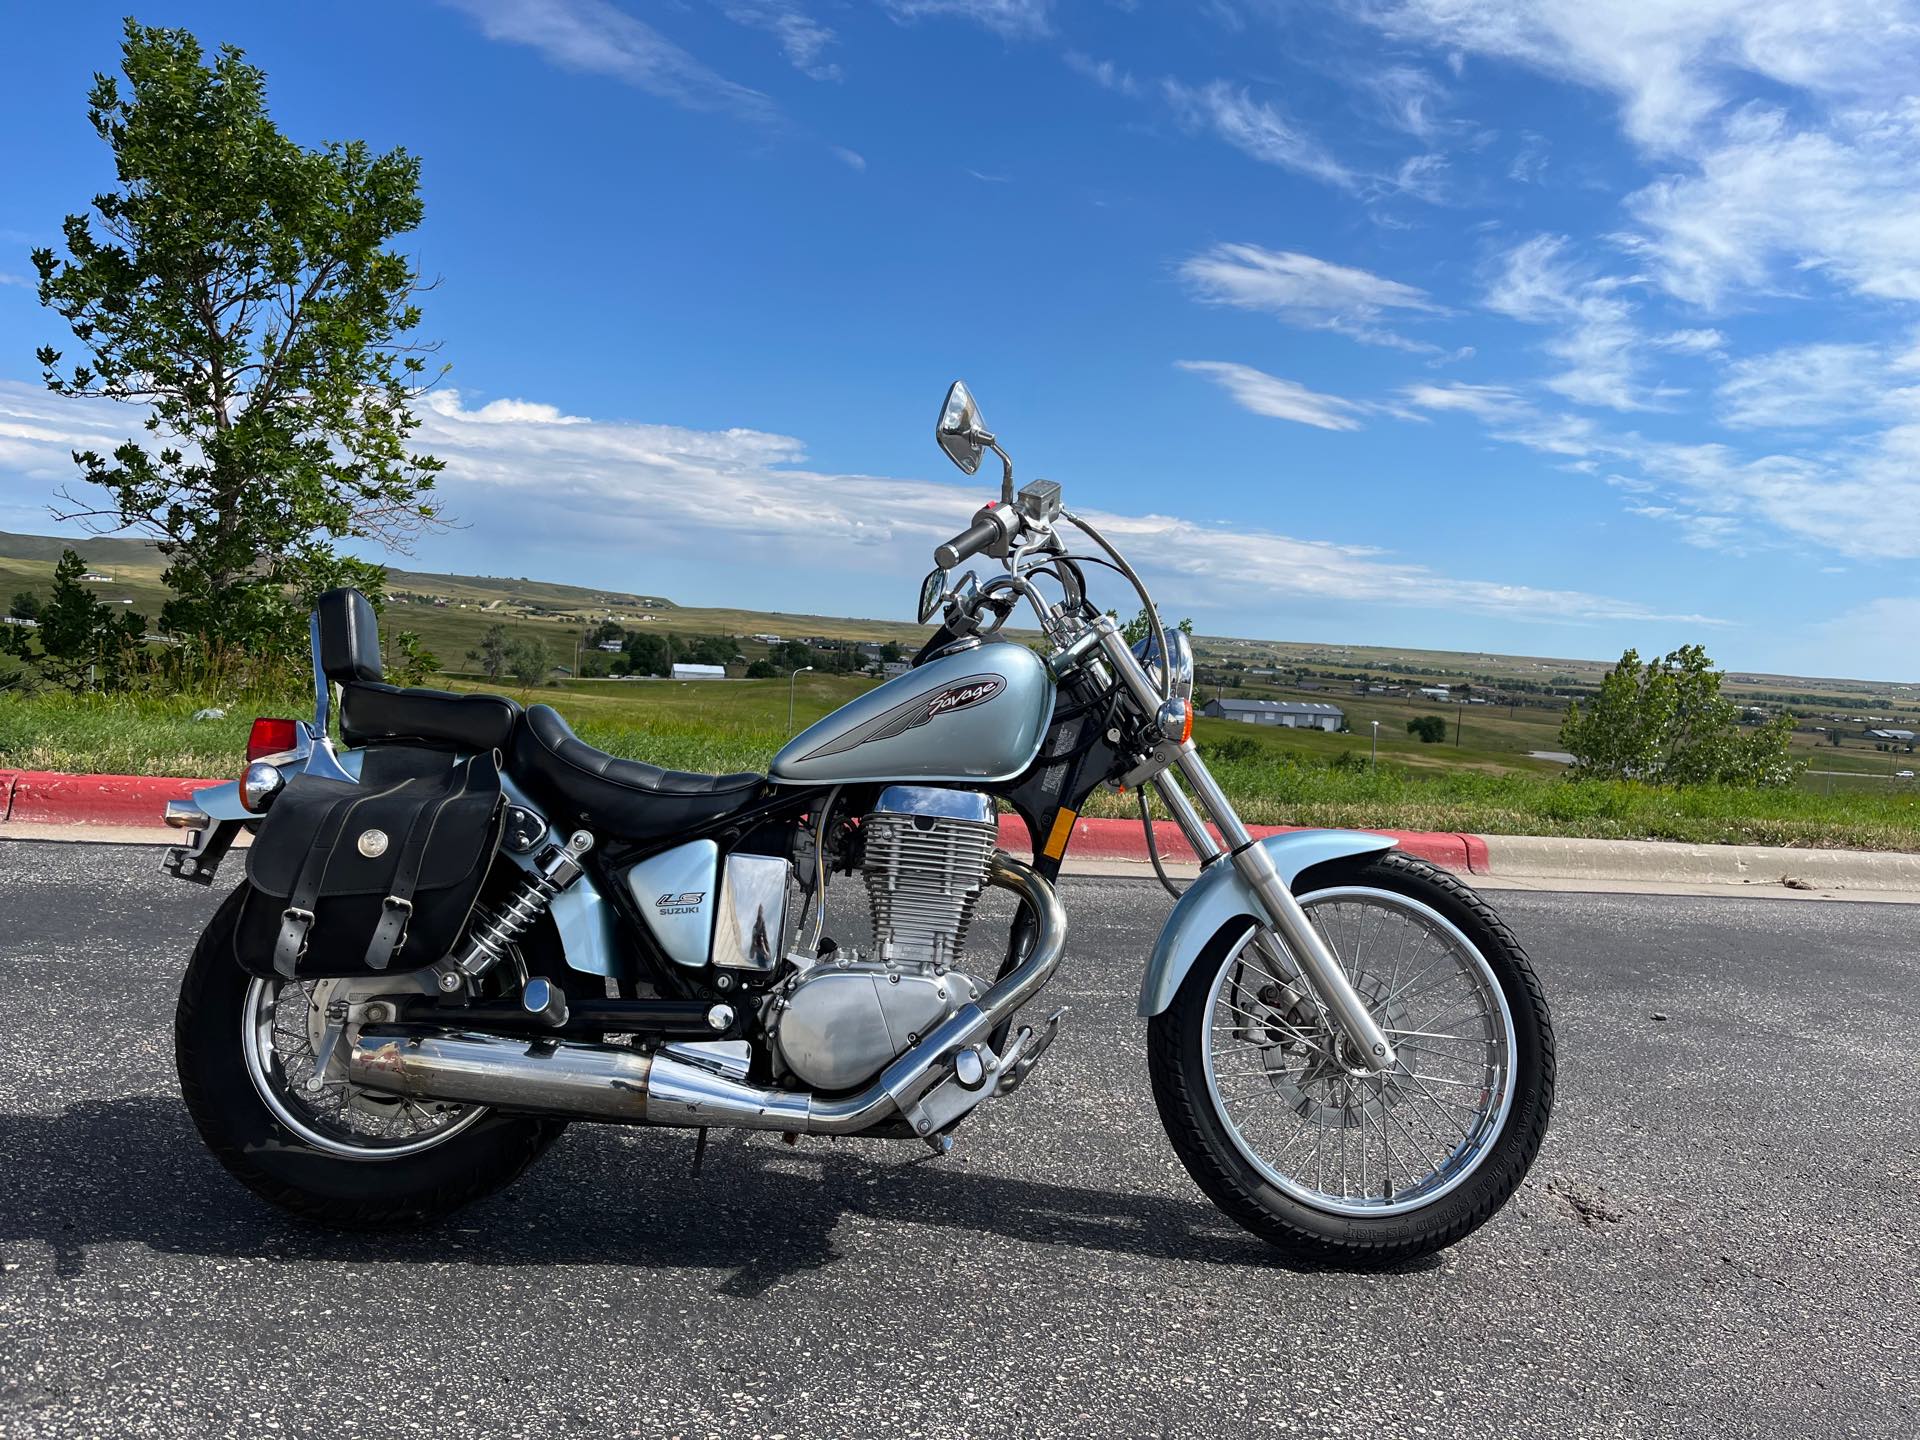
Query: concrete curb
pixel 37 804
pixel 1555 858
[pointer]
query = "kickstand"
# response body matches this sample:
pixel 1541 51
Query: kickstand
pixel 699 1149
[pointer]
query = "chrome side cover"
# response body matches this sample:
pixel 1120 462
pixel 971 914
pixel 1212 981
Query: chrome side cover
pixel 675 891
pixel 1221 894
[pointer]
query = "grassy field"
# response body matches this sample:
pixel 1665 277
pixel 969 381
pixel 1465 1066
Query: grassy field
pixel 1275 777
pixel 1484 777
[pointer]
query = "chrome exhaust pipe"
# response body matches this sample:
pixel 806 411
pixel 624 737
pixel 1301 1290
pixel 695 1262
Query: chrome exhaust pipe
pixel 582 1081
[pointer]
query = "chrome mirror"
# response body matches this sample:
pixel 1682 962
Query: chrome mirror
pixel 961 432
pixel 933 590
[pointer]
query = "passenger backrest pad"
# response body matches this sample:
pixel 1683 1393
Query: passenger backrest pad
pixel 349 637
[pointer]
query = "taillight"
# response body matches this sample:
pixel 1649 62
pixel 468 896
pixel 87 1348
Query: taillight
pixel 271 737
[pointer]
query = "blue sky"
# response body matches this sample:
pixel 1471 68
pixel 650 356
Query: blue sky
pixel 1543 327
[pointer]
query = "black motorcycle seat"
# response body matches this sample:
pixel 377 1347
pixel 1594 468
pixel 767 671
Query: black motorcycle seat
pixel 635 801
pixel 372 713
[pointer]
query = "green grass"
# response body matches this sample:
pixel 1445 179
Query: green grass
pixel 1274 777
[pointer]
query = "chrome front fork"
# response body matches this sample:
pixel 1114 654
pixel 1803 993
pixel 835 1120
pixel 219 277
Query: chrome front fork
pixel 1367 1045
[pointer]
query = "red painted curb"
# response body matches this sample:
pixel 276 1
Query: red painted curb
pixel 1127 840
pixel 46 797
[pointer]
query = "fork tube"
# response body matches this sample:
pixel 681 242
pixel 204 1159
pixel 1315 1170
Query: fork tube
pixel 1187 818
pixel 1316 959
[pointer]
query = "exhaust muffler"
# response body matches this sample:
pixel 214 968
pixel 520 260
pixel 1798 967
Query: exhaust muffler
pixel 578 1080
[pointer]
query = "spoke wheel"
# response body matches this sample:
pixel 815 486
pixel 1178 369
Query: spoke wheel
pixel 292 1034
pixel 1330 1162
pixel 1335 1136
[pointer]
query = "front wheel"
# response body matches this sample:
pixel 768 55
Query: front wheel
pixel 1328 1162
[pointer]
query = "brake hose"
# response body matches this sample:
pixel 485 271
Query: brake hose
pixel 1153 846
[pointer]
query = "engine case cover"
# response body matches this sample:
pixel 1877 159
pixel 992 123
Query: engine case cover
pixel 843 1021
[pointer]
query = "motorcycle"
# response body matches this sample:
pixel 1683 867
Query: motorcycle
pixel 462 928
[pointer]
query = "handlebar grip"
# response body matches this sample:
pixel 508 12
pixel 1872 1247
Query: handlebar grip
pixel 968 543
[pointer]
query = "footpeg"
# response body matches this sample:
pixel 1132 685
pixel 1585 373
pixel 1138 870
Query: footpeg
pixel 545 1002
pixel 1025 1052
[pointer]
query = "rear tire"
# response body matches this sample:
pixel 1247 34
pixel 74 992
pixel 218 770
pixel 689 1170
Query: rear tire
pixel 274 1162
pixel 1215 1151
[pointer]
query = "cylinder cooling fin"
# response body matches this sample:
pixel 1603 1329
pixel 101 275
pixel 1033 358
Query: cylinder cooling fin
pixel 927 851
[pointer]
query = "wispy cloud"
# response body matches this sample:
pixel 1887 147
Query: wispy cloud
pixel 803 39
pixel 1015 19
pixel 852 159
pixel 1104 73
pixel 1598 340
pixel 601 39
pixel 1816 387
pixel 1275 398
pixel 1255 128
pixel 1302 290
pixel 7 278
pixel 607 485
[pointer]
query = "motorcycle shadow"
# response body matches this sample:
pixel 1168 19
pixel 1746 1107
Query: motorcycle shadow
pixel 132 1170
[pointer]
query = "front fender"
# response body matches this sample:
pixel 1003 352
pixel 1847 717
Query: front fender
pixel 1220 894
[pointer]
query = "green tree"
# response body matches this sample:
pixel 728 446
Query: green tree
pixel 762 670
pixel 491 656
pixel 409 662
pixel 25 606
pixel 1138 628
pixel 240 288
pixel 528 660
pixel 891 653
pixel 83 643
pixel 1428 729
pixel 1665 722
pixel 648 654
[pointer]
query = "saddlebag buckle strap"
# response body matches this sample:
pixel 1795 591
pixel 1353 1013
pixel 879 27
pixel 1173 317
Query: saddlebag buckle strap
pixel 295 924
pixel 391 933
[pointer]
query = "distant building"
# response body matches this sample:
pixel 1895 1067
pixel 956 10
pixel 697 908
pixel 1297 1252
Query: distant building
pixel 891 668
pixel 699 672
pixel 1902 737
pixel 1292 714
pixel 766 639
pixel 1436 692
pixel 612 647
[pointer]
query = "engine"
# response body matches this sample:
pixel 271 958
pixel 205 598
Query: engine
pixel 837 1023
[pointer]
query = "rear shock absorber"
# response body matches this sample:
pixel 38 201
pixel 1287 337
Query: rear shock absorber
pixel 495 931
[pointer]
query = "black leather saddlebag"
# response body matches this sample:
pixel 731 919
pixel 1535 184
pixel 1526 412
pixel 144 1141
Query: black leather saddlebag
pixel 351 879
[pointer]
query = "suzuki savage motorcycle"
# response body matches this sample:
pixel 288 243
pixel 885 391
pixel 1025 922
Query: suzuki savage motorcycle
pixel 466 927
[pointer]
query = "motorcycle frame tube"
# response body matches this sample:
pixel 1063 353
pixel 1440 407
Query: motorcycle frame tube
pixel 1261 876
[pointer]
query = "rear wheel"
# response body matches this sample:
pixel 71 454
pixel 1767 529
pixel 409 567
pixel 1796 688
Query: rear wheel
pixel 1327 1161
pixel 268 1092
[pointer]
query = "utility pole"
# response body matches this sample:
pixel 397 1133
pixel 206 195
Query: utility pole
pixel 1375 757
pixel 1460 721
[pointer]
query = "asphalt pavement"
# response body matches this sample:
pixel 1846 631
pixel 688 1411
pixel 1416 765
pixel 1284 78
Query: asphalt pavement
pixel 1720 1238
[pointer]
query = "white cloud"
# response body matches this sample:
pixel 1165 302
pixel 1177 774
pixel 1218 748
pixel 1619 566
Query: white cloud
pixel 615 485
pixel 852 159
pixel 1409 98
pixel 1669 62
pixel 1813 387
pixel 1597 339
pixel 1844 204
pixel 802 38
pixel 1255 128
pixel 1015 19
pixel 10 279
pixel 1301 290
pixel 1485 402
pixel 1275 398
pixel 602 39
pixel 1691 342
pixel 1103 73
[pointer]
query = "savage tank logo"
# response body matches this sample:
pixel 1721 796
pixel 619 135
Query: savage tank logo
pixel 912 714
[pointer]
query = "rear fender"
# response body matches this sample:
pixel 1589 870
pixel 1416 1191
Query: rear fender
pixel 1220 896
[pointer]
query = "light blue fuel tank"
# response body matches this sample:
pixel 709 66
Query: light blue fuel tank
pixel 975 715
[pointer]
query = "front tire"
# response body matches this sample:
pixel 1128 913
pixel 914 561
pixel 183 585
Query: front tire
pixel 1255 1099
pixel 324 1170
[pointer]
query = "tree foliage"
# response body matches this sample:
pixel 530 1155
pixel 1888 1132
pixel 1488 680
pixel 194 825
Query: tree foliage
pixel 528 660
pixel 1138 628
pixel 491 656
pixel 1428 729
pixel 240 288
pixel 1665 722
pixel 81 643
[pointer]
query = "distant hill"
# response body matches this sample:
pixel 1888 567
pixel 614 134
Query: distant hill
pixel 102 552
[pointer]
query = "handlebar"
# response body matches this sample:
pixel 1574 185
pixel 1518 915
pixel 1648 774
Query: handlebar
pixel 968 543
